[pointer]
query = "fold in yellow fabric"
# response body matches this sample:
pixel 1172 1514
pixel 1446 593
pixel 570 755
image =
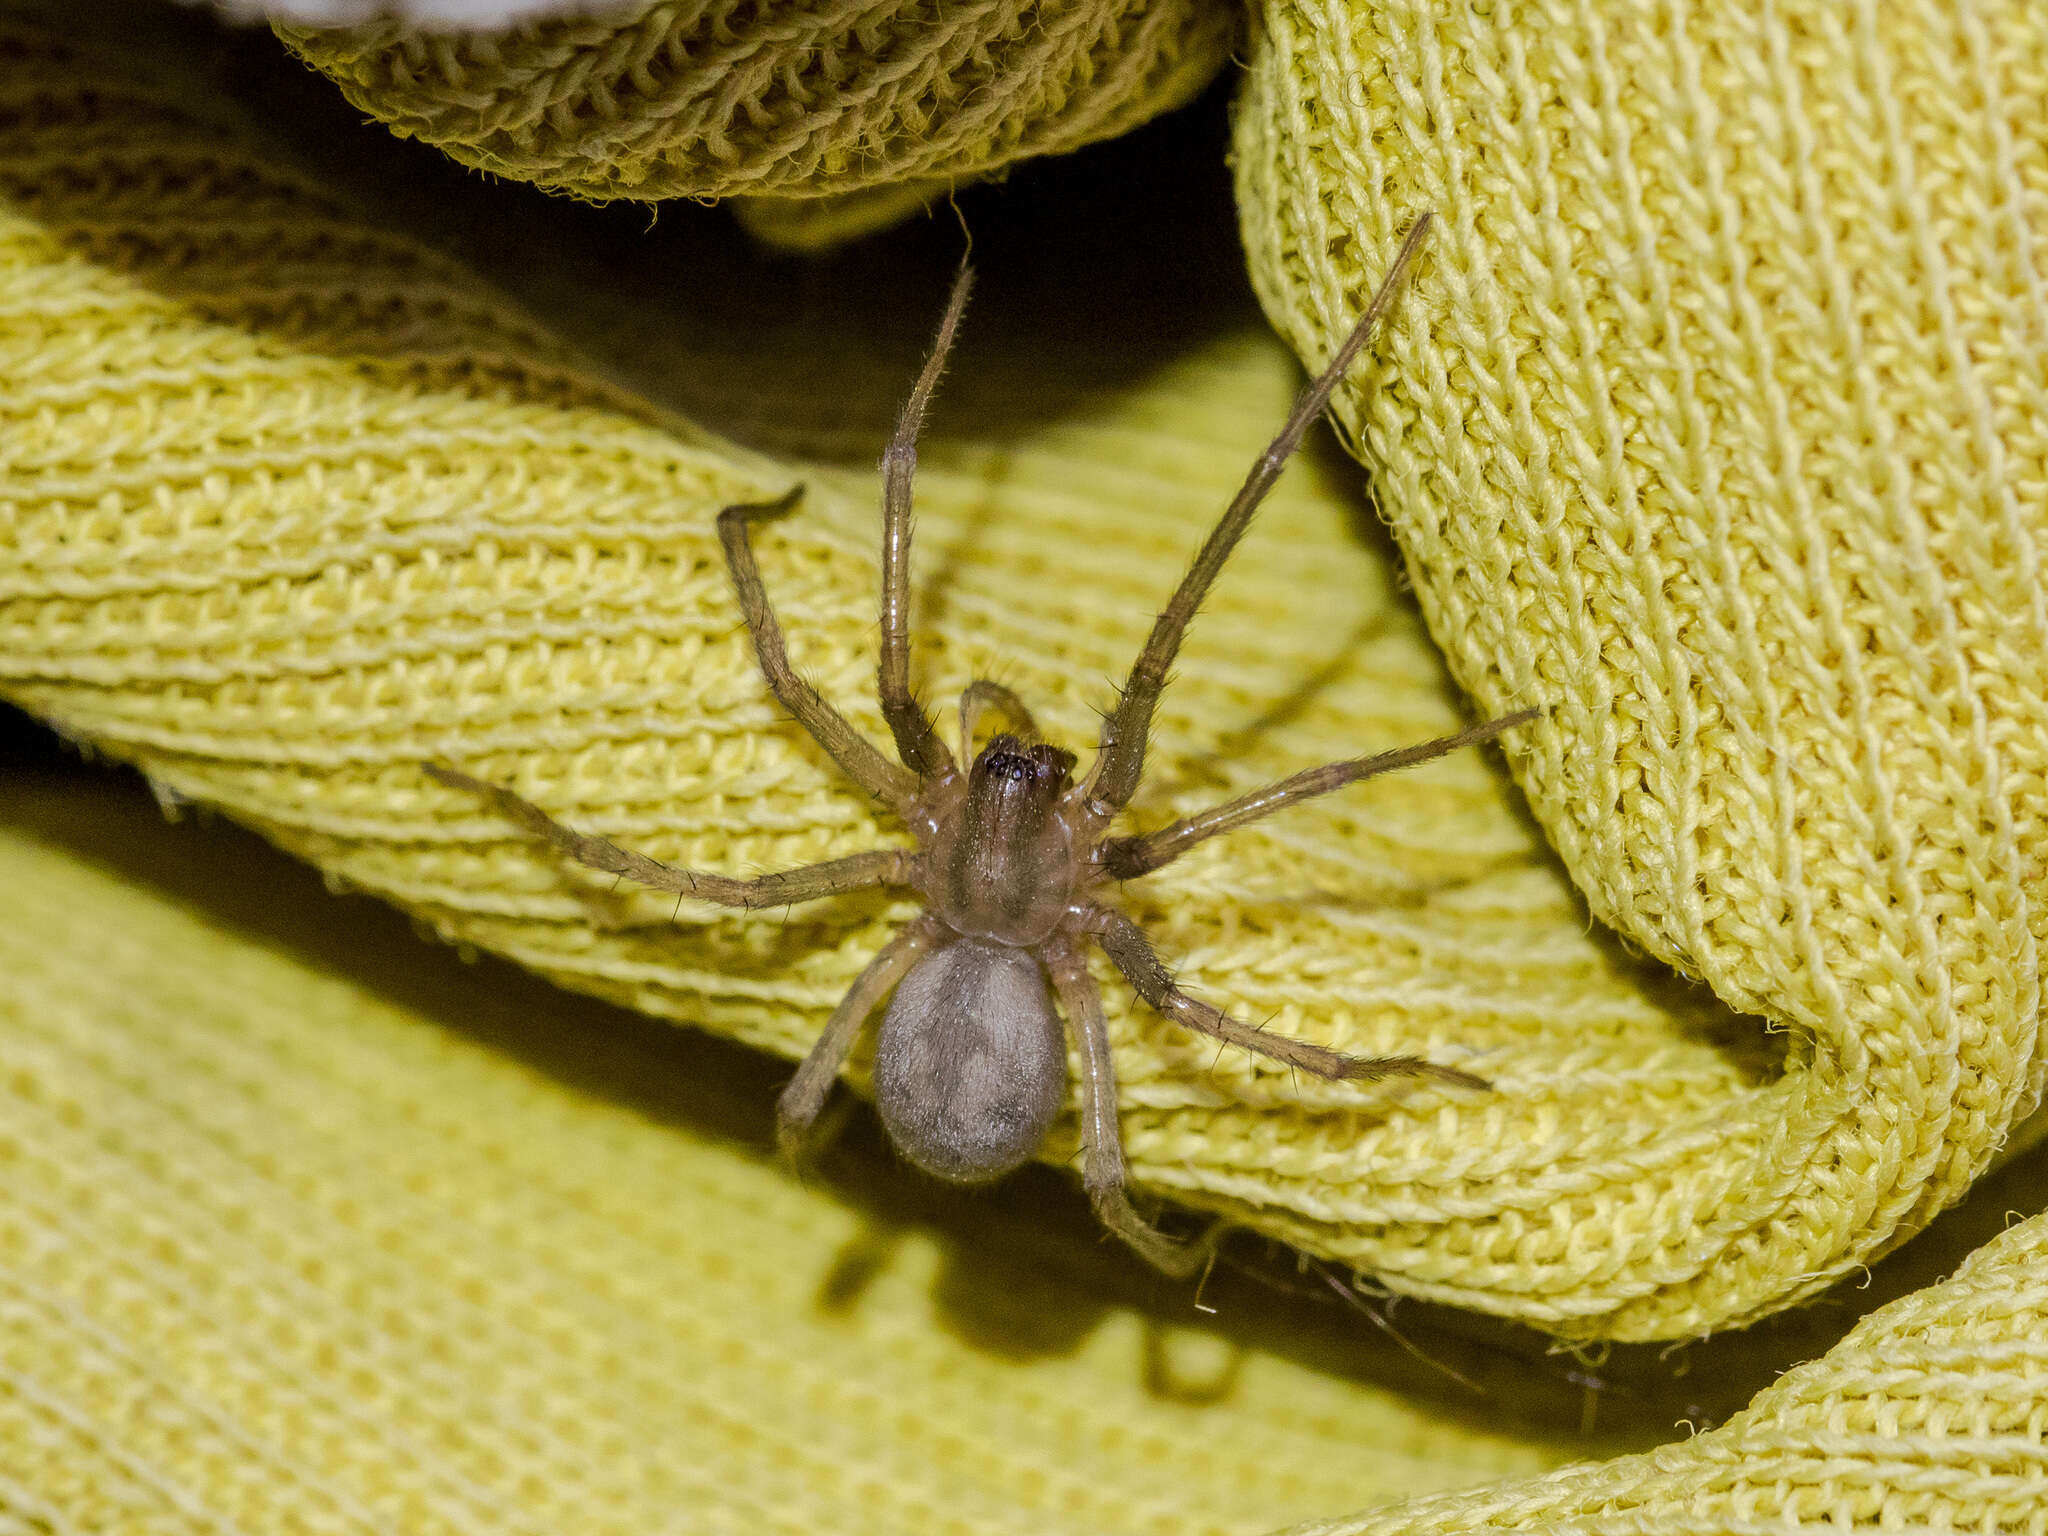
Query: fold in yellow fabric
pixel 786 103
pixel 1720 425
pixel 1712 423
pixel 299 507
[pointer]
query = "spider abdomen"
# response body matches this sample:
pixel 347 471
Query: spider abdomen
pixel 971 1064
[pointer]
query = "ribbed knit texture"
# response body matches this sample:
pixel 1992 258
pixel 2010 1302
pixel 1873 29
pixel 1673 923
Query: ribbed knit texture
pixel 1929 1416
pixel 307 1231
pixel 309 1227
pixel 1718 421
pixel 712 98
pixel 289 504
pixel 294 511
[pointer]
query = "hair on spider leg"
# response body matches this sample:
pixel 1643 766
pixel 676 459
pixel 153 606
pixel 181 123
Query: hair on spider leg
pixel 1012 857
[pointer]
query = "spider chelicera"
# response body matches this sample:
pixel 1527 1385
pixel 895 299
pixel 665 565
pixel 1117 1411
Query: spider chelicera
pixel 1013 859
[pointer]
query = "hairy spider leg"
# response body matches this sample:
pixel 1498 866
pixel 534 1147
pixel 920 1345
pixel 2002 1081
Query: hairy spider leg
pixel 981 695
pixel 1102 1141
pixel 917 741
pixel 797 1110
pixel 858 758
pixel 809 882
pixel 1132 953
pixel 1120 755
pixel 1126 858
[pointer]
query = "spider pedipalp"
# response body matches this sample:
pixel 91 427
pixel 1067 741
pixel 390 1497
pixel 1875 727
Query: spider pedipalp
pixel 1014 861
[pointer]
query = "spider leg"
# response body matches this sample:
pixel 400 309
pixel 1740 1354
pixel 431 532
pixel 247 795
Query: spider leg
pixel 917 742
pixel 1128 857
pixel 856 756
pixel 982 694
pixel 1120 757
pixel 882 866
pixel 1126 945
pixel 1102 1142
pixel 797 1110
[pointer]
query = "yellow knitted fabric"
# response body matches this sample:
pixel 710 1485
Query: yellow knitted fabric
pixel 1718 422
pixel 289 504
pixel 712 98
pixel 292 509
pixel 310 1227
pixel 1930 1416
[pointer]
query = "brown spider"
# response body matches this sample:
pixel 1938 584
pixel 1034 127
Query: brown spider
pixel 1012 860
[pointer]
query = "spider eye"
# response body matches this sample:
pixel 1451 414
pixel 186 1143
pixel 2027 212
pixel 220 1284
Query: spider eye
pixel 1010 766
pixel 1007 760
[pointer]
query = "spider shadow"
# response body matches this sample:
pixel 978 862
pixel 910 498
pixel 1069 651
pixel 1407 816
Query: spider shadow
pixel 1024 1271
pixel 804 358
pixel 1240 740
pixel 935 588
pixel 1759 1052
pixel 750 320
pixel 1345 485
pixel 779 937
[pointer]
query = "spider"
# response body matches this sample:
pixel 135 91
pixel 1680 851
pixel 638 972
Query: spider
pixel 1012 859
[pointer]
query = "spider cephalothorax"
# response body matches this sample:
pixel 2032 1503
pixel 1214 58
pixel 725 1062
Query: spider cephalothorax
pixel 1013 858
